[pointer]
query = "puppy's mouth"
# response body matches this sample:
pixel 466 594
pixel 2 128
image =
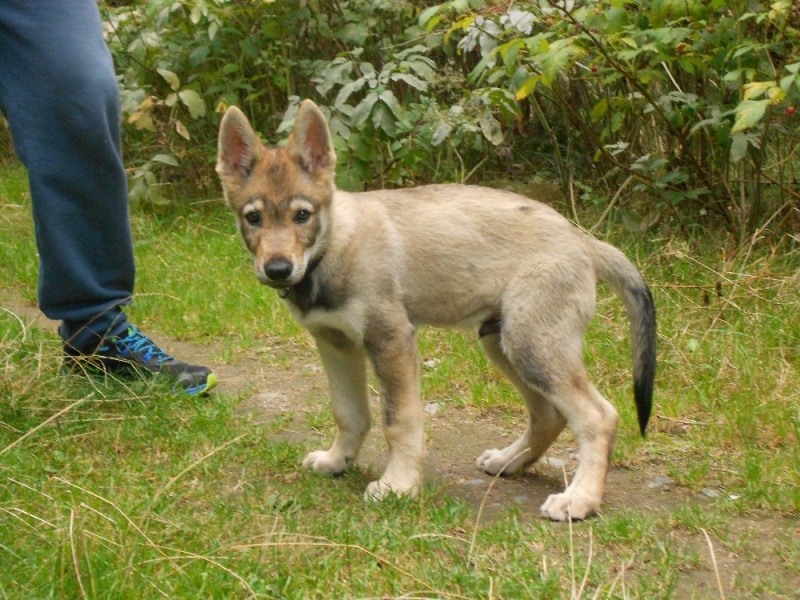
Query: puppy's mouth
pixel 279 273
pixel 275 285
pixel 278 284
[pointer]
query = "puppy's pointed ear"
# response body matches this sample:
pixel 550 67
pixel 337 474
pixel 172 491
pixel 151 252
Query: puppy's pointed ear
pixel 311 143
pixel 238 146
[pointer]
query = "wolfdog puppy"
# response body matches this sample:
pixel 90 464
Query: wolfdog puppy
pixel 362 271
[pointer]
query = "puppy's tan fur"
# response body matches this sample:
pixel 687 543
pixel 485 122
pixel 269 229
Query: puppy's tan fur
pixel 362 271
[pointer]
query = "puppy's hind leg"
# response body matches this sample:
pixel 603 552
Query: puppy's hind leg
pixel 346 368
pixel 542 337
pixel 593 420
pixel 554 366
pixel 544 421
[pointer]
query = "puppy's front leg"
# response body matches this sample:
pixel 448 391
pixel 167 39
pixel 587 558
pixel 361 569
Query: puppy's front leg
pixel 393 350
pixel 346 368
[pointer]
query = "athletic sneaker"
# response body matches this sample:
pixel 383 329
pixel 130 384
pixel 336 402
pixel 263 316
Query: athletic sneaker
pixel 136 354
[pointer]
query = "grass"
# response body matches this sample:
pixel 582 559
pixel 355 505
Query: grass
pixel 120 490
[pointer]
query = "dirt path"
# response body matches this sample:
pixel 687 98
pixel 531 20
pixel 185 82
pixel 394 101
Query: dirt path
pixel 295 386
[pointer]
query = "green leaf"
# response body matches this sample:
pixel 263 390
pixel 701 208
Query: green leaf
pixel 197 13
pixel 198 55
pixel 737 73
pixel 672 178
pixel 617 19
pixel 384 120
pixel 347 90
pixel 561 56
pixel 413 53
pixel 363 110
pixel 249 48
pixel 390 100
pixel 137 192
pixel 194 102
pixel 364 146
pixel 441 133
pixel 738 147
pixel 476 73
pixel 490 127
pixel 171 78
pixel 500 99
pixel 167 159
pixel 461 25
pixel 411 80
pixel 629 55
pixel 748 114
pixel 426 15
pixel 747 49
pixel 336 72
pixel 599 110
pixel 424 67
pixel 509 52
pixel 338 128
pixel 272 30
pixel 756 89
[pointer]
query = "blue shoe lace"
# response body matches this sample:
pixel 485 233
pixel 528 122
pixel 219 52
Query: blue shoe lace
pixel 138 344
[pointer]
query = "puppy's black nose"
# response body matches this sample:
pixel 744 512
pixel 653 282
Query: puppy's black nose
pixel 278 269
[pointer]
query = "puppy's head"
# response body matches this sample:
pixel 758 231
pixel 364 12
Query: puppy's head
pixel 280 197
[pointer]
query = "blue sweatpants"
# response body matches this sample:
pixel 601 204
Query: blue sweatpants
pixel 59 93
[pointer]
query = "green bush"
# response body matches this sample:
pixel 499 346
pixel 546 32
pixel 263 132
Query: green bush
pixel 674 111
pixel 184 61
pixel 690 101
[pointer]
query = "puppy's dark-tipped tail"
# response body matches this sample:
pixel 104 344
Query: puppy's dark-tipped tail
pixel 613 267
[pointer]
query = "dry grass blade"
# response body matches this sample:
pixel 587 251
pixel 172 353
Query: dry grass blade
pixel 470 554
pixel 191 556
pixel 611 204
pixel 320 542
pixel 45 423
pixel 588 565
pixel 20 321
pixel 74 551
pixel 714 563
pixel 200 460
pixel 121 512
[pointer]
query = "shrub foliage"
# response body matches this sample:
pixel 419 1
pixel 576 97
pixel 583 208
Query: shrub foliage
pixel 678 110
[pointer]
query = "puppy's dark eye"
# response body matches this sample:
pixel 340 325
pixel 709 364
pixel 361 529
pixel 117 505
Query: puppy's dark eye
pixel 253 218
pixel 302 216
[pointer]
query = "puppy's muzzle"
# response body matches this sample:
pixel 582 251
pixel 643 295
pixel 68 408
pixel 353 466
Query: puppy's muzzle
pixel 278 271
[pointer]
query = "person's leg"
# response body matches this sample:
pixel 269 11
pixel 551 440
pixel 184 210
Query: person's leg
pixel 59 92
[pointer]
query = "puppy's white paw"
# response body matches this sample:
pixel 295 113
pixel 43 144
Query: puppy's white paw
pixel 492 461
pixel 563 507
pixel 325 462
pixel 381 489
